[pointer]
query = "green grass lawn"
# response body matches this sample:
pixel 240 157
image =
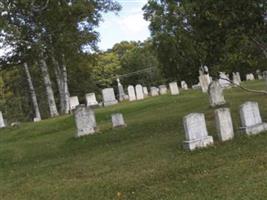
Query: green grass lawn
pixel 143 161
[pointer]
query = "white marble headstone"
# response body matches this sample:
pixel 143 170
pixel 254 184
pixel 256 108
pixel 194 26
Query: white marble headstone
pixel 2 122
pixel 74 102
pixel 196 132
pixel 139 92
pixel 163 89
pixel 154 91
pixel 84 120
pixel 204 81
pixel 145 91
pixel 224 124
pixel 131 93
pixel 251 119
pixel 109 97
pixel 215 92
pixel 236 78
pixel 224 80
pixel 117 120
pixel 184 85
pixel 91 99
pixel 174 88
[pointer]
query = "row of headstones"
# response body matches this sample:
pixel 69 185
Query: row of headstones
pixel 196 131
pixel 86 122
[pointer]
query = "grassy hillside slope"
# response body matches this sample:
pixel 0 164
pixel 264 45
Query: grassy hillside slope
pixel 143 161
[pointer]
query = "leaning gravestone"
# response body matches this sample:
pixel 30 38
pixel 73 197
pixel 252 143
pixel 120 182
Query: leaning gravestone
pixel 145 91
pixel 154 91
pixel 215 92
pixel 174 88
pixel 74 102
pixel 84 120
pixel 131 93
pixel 139 92
pixel 224 124
pixel 196 132
pixel 117 120
pixel 91 99
pixel 2 122
pixel 163 89
pixel 251 119
pixel 109 97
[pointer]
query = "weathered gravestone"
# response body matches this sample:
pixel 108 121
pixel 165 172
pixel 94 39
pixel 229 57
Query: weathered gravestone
pixel 204 80
pixel 121 90
pixel 163 89
pixel 224 80
pixel 259 74
pixel 84 120
pixel 109 97
pixel 36 119
pixel 74 102
pixel 236 78
pixel 251 119
pixel 139 92
pixel 91 99
pixel 117 120
pixel 154 91
pixel 224 124
pixel 2 122
pixel 250 77
pixel 131 93
pixel 184 85
pixel 215 92
pixel 145 91
pixel 196 132
pixel 174 88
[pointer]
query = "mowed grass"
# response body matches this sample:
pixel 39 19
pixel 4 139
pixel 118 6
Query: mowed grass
pixel 143 161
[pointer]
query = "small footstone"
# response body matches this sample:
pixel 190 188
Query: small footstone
pixel 251 119
pixel 196 132
pixel 84 120
pixel 118 120
pixel 224 124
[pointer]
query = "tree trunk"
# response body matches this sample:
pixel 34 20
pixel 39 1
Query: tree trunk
pixel 66 92
pixel 48 87
pixel 32 93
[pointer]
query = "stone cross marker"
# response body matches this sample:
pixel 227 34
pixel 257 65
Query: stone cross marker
pixel 91 99
pixel 154 91
pixel 163 89
pixel 251 119
pixel 117 120
pixel 109 97
pixel 2 122
pixel 215 92
pixel 224 124
pixel 74 102
pixel 131 93
pixel 145 91
pixel 174 88
pixel 196 132
pixel 139 92
pixel 84 120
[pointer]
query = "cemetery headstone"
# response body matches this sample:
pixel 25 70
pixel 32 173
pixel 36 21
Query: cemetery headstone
pixel 74 102
pixel 109 97
pixel 163 89
pixel 117 120
pixel 259 74
pixel 91 99
pixel 36 119
pixel 204 81
pixel 196 132
pixel 174 88
pixel 131 93
pixel 139 92
pixel 250 77
pixel 224 124
pixel 184 85
pixel 121 90
pixel 264 75
pixel 215 92
pixel 154 91
pixel 84 120
pixel 2 122
pixel 251 119
pixel 236 78
pixel 145 91
pixel 224 80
